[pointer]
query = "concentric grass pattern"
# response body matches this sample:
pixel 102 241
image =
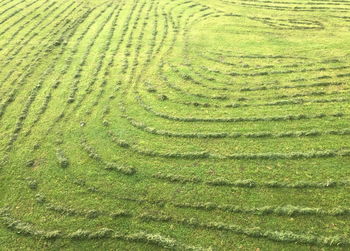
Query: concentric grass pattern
pixel 184 125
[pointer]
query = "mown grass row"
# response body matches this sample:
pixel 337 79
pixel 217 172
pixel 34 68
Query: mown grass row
pixel 18 21
pixel 248 183
pixel 18 83
pixel 31 34
pixel 26 229
pixel 69 62
pixel 290 211
pixel 56 83
pixel 35 90
pixel 288 8
pixel 299 101
pixel 101 62
pixel 217 182
pixel 111 64
pixel 281 236
pixel 150 109
pixel 256 135
pixel 327 153
pixel 16 10
pixel 77 76
pixel 111 166
pixel 15 50
pixel 272 235
pixel 101 57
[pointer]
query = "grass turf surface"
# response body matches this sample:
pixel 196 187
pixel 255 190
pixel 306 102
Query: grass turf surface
pixel 150 125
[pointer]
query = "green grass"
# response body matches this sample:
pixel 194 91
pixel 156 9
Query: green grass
pixel 185 125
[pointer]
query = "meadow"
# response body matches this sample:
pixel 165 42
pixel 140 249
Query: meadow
pixel 181 125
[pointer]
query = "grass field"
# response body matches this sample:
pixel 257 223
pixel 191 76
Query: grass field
pixel 163 124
